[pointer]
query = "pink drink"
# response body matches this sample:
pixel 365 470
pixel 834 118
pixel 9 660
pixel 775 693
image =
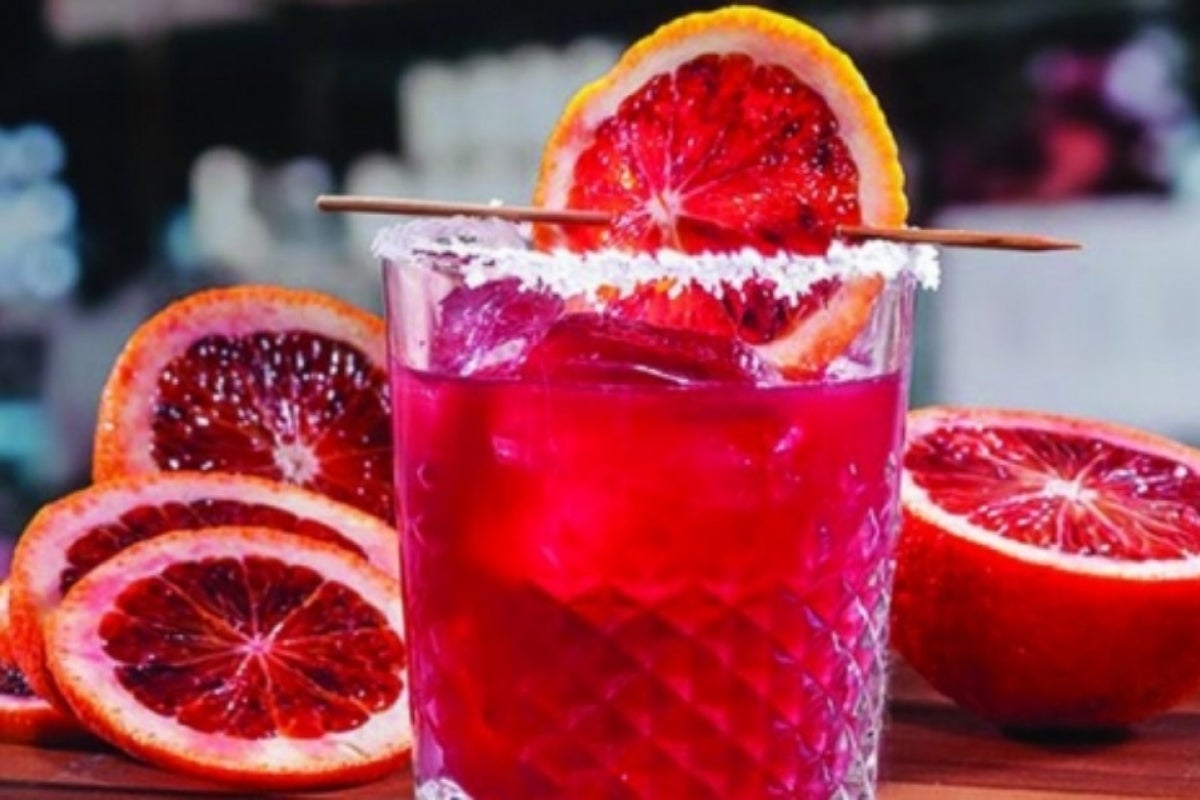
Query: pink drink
pixel 625 585
pixel 647 593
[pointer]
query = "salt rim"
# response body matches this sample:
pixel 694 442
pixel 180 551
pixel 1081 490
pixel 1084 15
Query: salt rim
pixel 568 273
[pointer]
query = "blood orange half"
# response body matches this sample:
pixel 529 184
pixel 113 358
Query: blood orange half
pixel 72 536
pixel 1049 568
pixel 25 717
pixel 239 654
pixel 738 128
pixel 281 383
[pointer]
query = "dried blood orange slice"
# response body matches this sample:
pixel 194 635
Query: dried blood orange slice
pixel 281 383
pixel 24 716
pixel 239 654
pixel 70 537
pixel 1049 568
pixel 737 128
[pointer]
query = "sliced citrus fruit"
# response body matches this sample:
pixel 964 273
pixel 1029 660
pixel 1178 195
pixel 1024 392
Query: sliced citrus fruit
pixel 24 716
pixel 281 383
pixel 737 128
pixel 72 536
pixel 239 654
pixel 1048 572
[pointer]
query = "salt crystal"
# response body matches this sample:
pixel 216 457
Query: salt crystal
pixel 570 274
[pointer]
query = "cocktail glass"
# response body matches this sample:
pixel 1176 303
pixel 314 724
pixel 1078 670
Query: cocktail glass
pixel 638 562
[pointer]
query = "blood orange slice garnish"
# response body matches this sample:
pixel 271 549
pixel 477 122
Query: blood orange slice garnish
pixel 239 654
pixel 1049 567
pixel 282 383
pixel 72 536
pixel 738 128
pixel 24 716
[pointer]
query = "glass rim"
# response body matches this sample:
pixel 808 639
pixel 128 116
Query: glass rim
pixel 443 248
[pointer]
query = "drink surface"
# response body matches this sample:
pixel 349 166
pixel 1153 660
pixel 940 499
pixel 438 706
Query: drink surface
pixel 647 591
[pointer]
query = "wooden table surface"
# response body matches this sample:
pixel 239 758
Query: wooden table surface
pixel 932 751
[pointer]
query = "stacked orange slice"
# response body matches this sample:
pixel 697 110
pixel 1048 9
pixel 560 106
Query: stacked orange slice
pixel 738 128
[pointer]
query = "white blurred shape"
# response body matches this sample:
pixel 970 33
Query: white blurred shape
pixel 378 173
pixel 1187 187
pixel 591 57
pixel 35 152
pixel 222 175
pixel 300 180
pixel 227 227
pixel 501 180
pixel 1169 150
pixel 582 61
pixel 535 73
pixel 43 210
pixel 48 270
pixel 73 20
pixel 489 124
pixel 1109 332
pixel 449 181
pixel 374 174
pixel 430 94
pixel 1143 78
pixel 46 209
pixel 539 94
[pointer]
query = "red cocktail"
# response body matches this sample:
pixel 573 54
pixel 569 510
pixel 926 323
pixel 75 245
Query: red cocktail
pixel 638 562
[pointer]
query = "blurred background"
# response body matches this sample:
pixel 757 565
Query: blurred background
pixel 152 147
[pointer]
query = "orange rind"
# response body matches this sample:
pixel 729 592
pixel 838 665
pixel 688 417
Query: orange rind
pixel 281 383
pixel 805 148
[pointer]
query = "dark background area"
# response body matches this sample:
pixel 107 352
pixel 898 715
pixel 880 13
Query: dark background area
pixel 305 78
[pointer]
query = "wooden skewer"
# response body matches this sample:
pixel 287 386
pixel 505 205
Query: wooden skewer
pixel 986 240
pixel 437 208
pixel 948 237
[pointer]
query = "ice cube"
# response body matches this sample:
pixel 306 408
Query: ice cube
pixel 487 330
pixel 451 231
pixel 438 243
pixel 594 348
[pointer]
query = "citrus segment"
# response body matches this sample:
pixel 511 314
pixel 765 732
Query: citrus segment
pixel 1048 573
pixel 761 164
pixel 72 536
pixel 1073 493
pixel 240 654
pixel 738 128
pixel 281 383
pixel 24 716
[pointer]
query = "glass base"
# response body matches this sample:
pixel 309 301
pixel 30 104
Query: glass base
pixel 777 696
pixel 448 790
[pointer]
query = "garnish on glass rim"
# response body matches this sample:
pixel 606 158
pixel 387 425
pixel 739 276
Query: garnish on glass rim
pixel 985 240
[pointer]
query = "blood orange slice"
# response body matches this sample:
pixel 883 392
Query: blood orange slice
pixel 240 654
pixel 738 128
pixel 281 383
pixel 72 536
pixel 25 717
pixel 1049 568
